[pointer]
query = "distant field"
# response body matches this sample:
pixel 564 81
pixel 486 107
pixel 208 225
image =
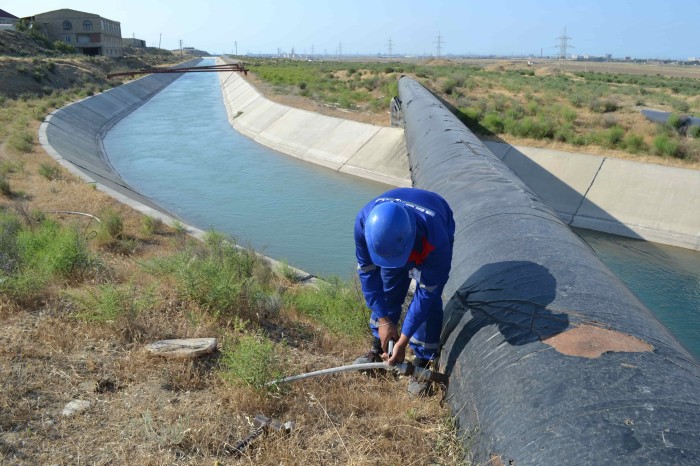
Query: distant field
pixel 576 106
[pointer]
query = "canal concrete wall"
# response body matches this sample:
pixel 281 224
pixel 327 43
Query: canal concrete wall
pixel 73 135
pixel 551 358
pixel 639 200
pixel 373 152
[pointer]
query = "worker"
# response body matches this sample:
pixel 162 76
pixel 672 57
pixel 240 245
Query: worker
pixel 405 234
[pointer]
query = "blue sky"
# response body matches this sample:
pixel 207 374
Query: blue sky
pixel 642 28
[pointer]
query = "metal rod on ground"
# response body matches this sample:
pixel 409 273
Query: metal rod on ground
pixel 262 423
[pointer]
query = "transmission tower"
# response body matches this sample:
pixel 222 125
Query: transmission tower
pixel 438 45
pixel 390 47
pixel 564 45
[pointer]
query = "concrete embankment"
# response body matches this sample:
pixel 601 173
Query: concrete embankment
pixel 73 135
pixel 622 197
pixel 373 152
pixel 551 359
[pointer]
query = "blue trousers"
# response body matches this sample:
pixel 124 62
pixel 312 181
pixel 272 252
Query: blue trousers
pixel 425 343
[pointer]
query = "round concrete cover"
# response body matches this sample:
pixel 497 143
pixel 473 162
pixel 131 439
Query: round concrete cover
pixel 184 348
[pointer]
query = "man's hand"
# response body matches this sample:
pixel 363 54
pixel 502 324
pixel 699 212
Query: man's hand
pixel 399 353
pixel 387 331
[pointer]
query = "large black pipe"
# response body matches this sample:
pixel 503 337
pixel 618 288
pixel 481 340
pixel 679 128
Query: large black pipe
pixel 552 360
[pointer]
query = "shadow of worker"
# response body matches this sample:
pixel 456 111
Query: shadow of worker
pixel 513 295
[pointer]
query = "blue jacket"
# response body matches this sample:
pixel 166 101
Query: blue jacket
pixel 431 255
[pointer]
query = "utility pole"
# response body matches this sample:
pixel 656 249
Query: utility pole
pixel 180 47
pixel 160 38
pixel 438 45
pixel 390 47
pixel 235 44
pixel 340 49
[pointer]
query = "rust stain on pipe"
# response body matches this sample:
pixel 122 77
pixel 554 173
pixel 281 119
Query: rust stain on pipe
pixel 591 341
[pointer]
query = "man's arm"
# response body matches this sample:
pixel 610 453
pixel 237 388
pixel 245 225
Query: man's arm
pixel 370 274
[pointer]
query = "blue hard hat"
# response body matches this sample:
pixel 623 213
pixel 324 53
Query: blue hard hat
pixel 390 231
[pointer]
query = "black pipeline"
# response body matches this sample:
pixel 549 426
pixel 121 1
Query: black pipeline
pixel 551 359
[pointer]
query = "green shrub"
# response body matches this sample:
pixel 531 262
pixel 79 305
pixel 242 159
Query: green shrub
pixel 21 141
pixel 56 250
pixel 150 225
pixel 448 86
pixel 251 360
pixel 666 147
pixel 62 47
pixel 221 278
pixel 613 137
pixel 41 255
pixel 634 143
pixel 674 121
pixel 50 172
pixel 493 122
pixel 680 105
pixel 109 302
pixel 599 105
pixel 111 227
pixel 694 132
pixel 336 305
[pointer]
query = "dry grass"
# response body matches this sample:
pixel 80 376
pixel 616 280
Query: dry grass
pixel 147 410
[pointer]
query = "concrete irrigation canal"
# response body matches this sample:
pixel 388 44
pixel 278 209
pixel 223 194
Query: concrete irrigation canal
pixel 551 358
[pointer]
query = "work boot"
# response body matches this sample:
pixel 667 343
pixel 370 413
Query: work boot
pixel 373 355
pixel 418 387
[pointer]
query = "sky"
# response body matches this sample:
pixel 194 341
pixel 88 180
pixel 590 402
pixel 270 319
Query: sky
pixel 623 28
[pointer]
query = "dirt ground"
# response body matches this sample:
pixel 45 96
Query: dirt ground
pixel 305 103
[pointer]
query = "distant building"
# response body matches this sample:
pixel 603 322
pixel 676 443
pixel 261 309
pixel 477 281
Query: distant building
pixel 133 42
pixel 7 18
pixel 89 33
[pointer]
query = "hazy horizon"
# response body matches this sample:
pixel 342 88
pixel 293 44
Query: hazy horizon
pixel 623 28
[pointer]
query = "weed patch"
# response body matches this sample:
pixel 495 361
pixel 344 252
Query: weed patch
pixel 336 305
pixel 252 360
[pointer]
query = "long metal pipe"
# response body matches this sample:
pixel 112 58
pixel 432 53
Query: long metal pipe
pixel 551 359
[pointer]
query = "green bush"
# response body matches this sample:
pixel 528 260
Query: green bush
pixel 634 143
pixel 674 121
pixel 493 122
pixel 694 132
pixel 111 227
pixel 221 278
pixel 251 360
pixel 41 255
pixel 336 305
pixel 62 47
pixel 150 225
pixel 109 303
pixel 667 147
pixel 21 141
pixel 55 250
pixel 612 137
pixel 50 172
pixel 599 105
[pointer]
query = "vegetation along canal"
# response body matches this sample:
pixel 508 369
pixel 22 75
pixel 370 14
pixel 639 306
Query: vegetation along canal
pixel 179 150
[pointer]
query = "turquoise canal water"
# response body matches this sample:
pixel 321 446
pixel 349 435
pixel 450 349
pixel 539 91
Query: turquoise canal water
pixel 179 150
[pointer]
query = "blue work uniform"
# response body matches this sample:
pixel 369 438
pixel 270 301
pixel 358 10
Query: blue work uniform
pixel 429 263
